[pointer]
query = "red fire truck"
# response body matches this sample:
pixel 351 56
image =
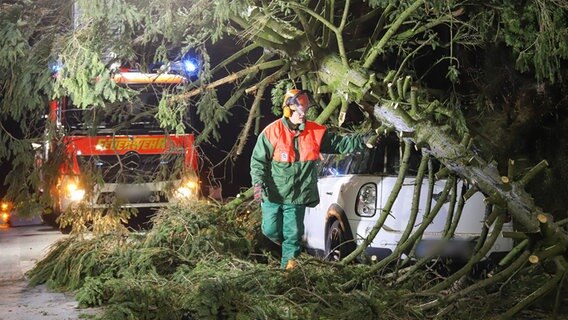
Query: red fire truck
pixel 119 156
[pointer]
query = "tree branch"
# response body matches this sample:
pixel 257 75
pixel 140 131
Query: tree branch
pixel 231 78
pixel 378 48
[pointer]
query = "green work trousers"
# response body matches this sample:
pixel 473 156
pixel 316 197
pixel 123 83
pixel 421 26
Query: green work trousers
pixel 284 224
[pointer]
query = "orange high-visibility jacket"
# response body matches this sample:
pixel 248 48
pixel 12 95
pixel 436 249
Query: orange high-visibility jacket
pixel 284 160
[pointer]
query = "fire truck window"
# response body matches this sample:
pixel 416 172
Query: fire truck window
pixel 133 116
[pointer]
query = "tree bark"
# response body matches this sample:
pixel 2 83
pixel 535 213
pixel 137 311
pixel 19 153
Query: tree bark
pixel 465 163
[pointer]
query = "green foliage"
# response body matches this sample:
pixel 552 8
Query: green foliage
pixel 84 76
pixel 141 32
pixel 212 114
pixel 92 293
pixel 201 262
pixel 171 114
pixel 536 31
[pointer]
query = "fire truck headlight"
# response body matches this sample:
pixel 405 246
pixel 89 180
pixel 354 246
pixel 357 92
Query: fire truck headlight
pixel 77 195
pixel 188 189
pixel 73 190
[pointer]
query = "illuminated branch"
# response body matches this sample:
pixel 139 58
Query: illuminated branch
pixel 378 28
pixel 378 48
pixel 402 247
pixel 307 33
pixel 231 78
pixel 339 34
pixel 501 276
pixel 495 233
pixel 386 210
pixel 235 56
pixel 337 30
pixel 328 111
pixel 416 197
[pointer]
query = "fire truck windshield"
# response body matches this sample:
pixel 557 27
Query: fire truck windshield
pixel 135 116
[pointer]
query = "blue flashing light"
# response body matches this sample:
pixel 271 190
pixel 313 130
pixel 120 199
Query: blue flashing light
pixel 189 67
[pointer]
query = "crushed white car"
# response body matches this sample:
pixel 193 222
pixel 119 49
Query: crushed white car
pixel 353 192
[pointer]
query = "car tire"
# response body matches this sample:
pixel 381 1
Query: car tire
pixel 335 244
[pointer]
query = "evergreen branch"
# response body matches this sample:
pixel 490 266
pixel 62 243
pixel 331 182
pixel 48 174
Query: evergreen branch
pixel 235 56
pixel 321 19
pixel 328 111
pixel 378 28
pixel 330 10
pixel 345 14
pixel 231 78
pixel 436 22
pixel 339 35
pixel 412 54
pixel 386 210
pixel 253 113
pixel 379 47
pixel 337 30
pixel 211 125
pixel 256 105
pixel 307 30
pixel 261 32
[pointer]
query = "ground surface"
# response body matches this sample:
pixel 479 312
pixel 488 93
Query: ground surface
pixel 20 248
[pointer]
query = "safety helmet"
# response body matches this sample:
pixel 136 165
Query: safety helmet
pixel 295 100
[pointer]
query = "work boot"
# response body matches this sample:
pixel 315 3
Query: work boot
pixel 292 264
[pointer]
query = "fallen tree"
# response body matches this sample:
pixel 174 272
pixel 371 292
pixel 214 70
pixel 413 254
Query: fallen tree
pixel 353 57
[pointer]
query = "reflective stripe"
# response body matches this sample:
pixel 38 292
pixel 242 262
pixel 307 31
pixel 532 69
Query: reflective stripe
pixel 147 78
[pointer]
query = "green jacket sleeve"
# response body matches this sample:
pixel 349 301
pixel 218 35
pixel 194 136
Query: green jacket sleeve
pixel 261 159
pixel 336 143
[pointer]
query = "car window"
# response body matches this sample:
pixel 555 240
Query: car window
pixel 384 159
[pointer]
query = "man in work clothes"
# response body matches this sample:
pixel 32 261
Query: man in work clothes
pixel 283 171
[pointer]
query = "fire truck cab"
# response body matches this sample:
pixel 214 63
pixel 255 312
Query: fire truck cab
pixel 118 155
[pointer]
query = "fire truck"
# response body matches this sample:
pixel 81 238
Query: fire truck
pixel 118 156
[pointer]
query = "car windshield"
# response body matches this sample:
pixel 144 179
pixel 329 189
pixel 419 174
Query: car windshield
pixel 384 159
pixel 134 116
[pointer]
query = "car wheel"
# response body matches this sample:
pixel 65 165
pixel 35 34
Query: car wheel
pixel 335 243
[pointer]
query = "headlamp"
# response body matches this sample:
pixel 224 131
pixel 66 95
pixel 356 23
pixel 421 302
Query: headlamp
pixel 187 189
pixel 72 189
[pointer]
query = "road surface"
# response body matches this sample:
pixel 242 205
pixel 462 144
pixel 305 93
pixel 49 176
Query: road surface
pixel 20 249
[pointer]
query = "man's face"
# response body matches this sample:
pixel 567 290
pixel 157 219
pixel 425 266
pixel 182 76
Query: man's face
pixel 299 109
pixel 297 117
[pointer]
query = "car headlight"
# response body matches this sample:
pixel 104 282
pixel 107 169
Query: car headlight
pixel 187 189
pixel 367 200
pixel 72 188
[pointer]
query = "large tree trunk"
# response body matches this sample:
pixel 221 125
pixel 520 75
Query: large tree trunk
pixel 361 87
pixel 461 160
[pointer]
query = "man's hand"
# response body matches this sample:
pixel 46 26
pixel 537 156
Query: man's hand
pixel 258 192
